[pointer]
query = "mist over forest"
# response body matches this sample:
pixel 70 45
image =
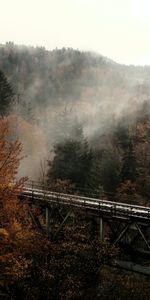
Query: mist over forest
pixel 66 94
pixel 79 123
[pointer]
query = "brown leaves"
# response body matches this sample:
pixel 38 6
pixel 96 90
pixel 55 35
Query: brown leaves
pixel 20 244
pixel 126 192
pixel 9 154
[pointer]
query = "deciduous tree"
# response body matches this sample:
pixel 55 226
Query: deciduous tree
pixel 22 249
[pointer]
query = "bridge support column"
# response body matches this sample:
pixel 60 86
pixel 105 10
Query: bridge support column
pixel 48 220
pixel 101 229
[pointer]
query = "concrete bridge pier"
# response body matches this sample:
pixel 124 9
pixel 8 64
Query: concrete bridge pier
pixel 47 216
pixel 101 229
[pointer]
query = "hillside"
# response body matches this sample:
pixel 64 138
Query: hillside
pixel 67 76
pixel 60 89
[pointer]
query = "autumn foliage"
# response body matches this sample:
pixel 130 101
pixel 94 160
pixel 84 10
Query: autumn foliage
pixel 32 266
pixel 36 266
pixel 20 244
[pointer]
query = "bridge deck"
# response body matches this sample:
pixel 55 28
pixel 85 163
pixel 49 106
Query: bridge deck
pixel 92 205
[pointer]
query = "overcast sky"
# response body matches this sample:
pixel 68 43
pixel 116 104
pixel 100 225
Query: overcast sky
pixel 118 29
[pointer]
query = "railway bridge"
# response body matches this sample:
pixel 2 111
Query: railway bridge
pixel 124 224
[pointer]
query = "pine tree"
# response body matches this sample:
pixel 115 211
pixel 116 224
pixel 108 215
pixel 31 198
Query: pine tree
pixel 110 170
pixel 6 95
pixel 129 163
pixel 71 162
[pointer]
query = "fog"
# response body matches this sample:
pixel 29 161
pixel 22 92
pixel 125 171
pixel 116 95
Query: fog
pixel 63 88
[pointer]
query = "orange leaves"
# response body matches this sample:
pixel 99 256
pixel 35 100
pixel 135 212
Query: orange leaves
pixel 9 155
pixel 15 224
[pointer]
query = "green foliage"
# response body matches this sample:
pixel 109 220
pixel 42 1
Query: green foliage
pixel 73 158
pixel 71 161
pixel 6 95
pixel 110 170
pixel 129 164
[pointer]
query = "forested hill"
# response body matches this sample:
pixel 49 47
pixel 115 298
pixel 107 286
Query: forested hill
pixel 52 76
pixel 93 85
pixel 67 75
pixel 81 122
pixel 93 113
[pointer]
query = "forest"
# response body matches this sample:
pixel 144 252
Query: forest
pixel 78 122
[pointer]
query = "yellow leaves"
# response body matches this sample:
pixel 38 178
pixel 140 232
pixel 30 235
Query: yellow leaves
pixel 14 268
pixel 7 185
pixel 3 233
pixel 21 246
pixel 16 226
pixel 19 267
pixel 11 231
pixel 10 150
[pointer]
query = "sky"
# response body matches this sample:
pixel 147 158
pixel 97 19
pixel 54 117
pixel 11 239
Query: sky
pixel 118 29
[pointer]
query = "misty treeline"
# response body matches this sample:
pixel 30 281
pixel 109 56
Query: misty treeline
pixel 49 80
pixel 113 165
pixel 92 119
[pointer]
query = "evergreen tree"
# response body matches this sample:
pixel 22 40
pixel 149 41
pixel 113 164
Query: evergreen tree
pixel 67 126
pixel 72 161
pixel 129 163
pixel 6 95
pixel 93 178
pixel 72 156
pixel 121 134
pixel 110 170
pixel 124 140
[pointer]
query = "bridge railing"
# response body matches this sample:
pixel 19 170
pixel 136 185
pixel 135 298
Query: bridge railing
pixel 44 193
